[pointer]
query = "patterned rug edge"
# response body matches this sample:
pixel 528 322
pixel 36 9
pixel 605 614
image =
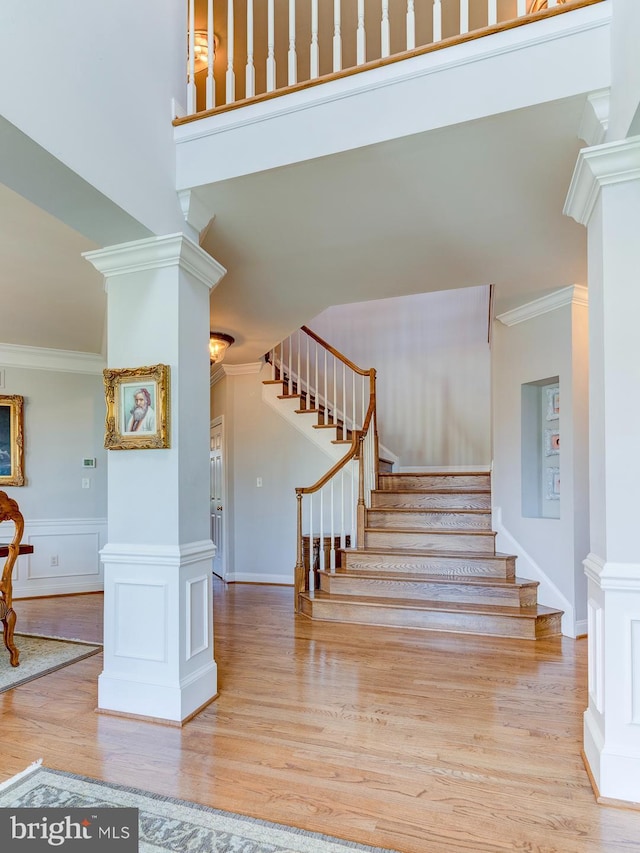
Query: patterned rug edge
pixel 37 766
pixel 92 649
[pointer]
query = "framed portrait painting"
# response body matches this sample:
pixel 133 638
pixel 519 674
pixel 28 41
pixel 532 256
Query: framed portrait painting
pixel 137 401
pixel 11 440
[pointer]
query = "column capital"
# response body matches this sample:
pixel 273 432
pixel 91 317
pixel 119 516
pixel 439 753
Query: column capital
pixel 157 252
pixel 598 166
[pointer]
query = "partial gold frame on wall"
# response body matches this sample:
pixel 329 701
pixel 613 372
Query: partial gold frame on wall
pixel 120 383
pixel 15 404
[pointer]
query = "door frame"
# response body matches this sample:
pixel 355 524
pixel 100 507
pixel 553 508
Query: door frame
pixel 215 422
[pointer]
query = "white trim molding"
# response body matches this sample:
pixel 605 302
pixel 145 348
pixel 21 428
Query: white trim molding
pixel 43 358
pixel 220 371
pixel 621 577
pixel 595 118
pixel 255 577
pixel 574 294
pixel 158 555
pixel 599 166
pixel 195 211
pixel 155 253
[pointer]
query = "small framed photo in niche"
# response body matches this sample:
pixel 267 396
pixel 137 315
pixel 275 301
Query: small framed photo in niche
pixel 553 403
pixel 551 442
pixel 553 484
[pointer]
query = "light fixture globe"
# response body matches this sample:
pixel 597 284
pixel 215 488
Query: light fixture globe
pixel 219 342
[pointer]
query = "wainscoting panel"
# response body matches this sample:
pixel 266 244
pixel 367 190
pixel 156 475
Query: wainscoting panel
pixel 66 557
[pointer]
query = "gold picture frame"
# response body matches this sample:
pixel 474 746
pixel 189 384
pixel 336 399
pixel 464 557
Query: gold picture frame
pixel 11 440
pixel 137 401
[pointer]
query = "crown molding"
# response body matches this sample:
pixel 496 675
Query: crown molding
pixel 156 253
pixel 575 294
pixel 42 358
pixel 195 211
pixel 220 371
pixel 599 166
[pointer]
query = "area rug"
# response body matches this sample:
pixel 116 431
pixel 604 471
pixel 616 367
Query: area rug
pixel 39 656
pixel 167 825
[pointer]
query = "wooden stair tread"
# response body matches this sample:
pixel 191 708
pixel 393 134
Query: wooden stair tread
pixel 425 552
pixel 417 577
pixel 289 396
pixel 274 381
pixel 531 612
pixel 437 474
pixel 432 509
pixel 431 491
pixel 449 531
pixel 309 411
pixel 330 425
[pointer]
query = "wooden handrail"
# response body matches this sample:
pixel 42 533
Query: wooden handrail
pixel 390 60
pixel 335 352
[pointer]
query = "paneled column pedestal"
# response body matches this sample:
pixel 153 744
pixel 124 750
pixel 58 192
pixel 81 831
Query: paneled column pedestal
pixel 158 609
pixel 605 196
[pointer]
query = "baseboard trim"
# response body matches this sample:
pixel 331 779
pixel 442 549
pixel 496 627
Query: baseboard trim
pixel 254 577
pixel 606 801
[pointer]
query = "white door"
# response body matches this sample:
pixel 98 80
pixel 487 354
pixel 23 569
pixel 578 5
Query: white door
pixel 217 497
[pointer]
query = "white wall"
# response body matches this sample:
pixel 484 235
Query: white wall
pixel 625 84
pixel 92 84
pixel 261 547
pixel 432 359
pixel 63 423
pixel 549 550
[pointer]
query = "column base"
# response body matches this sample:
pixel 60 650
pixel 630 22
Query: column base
pixel 163 702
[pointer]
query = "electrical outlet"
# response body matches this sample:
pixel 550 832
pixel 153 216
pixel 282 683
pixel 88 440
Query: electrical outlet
pixel 258 482
pixel 54 561
pixel 86 482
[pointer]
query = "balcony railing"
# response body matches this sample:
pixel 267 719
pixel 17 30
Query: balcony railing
pixel 240 51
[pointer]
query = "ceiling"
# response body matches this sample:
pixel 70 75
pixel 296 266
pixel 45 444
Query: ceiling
pixel 472 204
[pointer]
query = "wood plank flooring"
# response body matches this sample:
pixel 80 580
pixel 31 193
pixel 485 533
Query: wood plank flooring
pixel 416 741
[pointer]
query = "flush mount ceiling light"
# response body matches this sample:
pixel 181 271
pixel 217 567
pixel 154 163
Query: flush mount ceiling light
pixel 219 342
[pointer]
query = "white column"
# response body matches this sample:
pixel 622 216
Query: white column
pixel 605 196
pixel 158 620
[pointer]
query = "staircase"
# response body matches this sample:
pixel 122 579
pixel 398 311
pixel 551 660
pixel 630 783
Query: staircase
pixel 428 561
pixel 424 552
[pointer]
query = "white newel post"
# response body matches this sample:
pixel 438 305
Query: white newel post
pixel 158 618
pixel 605 196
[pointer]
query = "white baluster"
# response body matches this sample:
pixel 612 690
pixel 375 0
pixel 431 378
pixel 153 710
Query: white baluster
pixel 464 15
pixel 343 526
pixel 437 20
pixel 411 25
pixel 293 59
pixel 271 48
pixel 321 532
pixel 191 72
pixel 353 401
pixel 354 493
pixel 522 8
pixel 290 383
pixel 492 12
pixel 298 371
pixel 308 374
pixel 250 75
pixel 326 397
pixel 211 56
pixel 364 404
pixel 337 37
pixel 312 582
pixel 344 394
pixel 335 388
pixel 361 38
pixel 315 51
pixel 315 389
pixel 332 552
pixel 385 33
pixel 231 77
pixel 273 363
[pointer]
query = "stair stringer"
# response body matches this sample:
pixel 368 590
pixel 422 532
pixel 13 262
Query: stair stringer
pixel 322 438
pixel 548 591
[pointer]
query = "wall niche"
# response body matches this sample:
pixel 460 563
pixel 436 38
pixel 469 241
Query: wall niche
pixel 541 448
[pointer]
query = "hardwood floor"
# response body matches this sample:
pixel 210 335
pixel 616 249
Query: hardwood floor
pixel 421 742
